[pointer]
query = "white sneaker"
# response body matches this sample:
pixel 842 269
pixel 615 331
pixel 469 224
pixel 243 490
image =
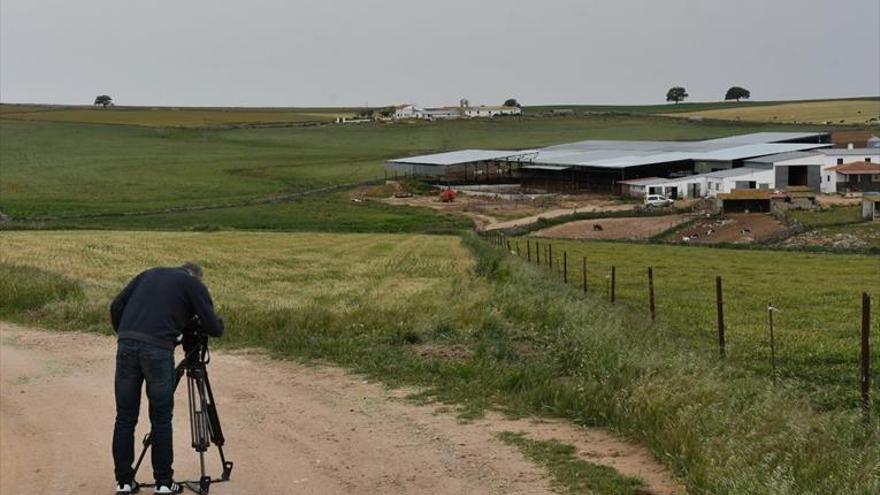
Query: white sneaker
pixel 127 488
pixel 169 489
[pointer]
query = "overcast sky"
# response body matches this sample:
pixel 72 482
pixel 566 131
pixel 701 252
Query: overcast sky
pixel 377 52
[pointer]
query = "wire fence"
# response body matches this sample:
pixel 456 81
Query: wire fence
pixel 540 252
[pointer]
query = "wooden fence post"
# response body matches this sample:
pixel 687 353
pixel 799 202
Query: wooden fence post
pixel 528 250
pixel 613 282
pixel 538 252
pixel 550 255
pixel 565 267
pixel 584 273
pixel 651 293
pixel 518 255
pixel 770 310
pixel 719 303
pixel 866 356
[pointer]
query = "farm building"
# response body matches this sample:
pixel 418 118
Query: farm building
pixel 857 177
pixel 684 168
pixel 465 166
pixel 464 110
pixel 741 201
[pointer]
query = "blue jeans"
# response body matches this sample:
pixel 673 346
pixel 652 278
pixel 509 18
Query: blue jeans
pixel 137 362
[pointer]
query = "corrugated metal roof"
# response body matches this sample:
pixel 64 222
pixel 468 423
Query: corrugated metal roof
pixel 623 154
pixel 545 167
pixel 458 157
pixel 736 172
pixel 643 182
pixel 766 137
pixel 781 157
pixel 847 151
pixel 754 150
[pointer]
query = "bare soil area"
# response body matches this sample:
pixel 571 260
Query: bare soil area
pixel 493 213
pixel 835 200
pixel 733 228
pixel 856 236
pixel 614 228
pixel 290 428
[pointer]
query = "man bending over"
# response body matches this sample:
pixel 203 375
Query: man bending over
pixel 149 316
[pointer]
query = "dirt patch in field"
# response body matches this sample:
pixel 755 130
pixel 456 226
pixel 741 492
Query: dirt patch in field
pixel 614 228
pixel 289 428
pixel 835 200
pixel 490 213
pixel 856 236
pixel 442 352
pixel 737 228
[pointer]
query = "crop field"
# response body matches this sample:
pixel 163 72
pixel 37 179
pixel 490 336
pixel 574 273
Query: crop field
pixel 405 276
pixel 818 297
pixel 860 111
pixel 63 169
pixel 171 117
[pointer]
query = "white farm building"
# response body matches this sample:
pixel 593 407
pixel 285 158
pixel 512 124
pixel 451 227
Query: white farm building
pixel 764 160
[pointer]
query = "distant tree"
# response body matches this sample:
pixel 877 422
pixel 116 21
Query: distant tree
pixel 737 93
pixel 366 113
pixel 511 102
pixel 387 112
pixel 676 94
pixel 103 100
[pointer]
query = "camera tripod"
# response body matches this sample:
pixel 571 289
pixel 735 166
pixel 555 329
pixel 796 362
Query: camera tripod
pixel 203 419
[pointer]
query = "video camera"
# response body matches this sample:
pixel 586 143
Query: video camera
pixel 194 336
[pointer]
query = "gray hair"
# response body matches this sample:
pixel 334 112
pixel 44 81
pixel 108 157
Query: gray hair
pixel 193 269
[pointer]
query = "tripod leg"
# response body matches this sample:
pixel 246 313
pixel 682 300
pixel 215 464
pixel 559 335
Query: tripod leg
pixel 215 428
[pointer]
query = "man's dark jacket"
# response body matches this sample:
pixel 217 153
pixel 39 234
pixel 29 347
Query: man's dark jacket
pixel 158 304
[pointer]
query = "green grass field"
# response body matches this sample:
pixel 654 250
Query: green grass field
pixel 63 169
pixel 818 295
pixel 172 117
pixel 385 304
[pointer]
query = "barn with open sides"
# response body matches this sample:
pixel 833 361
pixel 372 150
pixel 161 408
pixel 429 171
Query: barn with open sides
pixel 608 165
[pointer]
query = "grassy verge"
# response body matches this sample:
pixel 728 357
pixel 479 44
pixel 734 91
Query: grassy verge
pixel 571 474
pixel 523 343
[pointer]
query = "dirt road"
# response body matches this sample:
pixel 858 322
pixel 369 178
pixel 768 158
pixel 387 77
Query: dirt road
pixel 290 428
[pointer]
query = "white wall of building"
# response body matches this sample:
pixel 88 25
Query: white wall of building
pixel 834 157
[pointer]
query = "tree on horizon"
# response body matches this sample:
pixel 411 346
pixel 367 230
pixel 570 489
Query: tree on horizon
pixel 676 94
pixel 737 93
pixel 103 100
